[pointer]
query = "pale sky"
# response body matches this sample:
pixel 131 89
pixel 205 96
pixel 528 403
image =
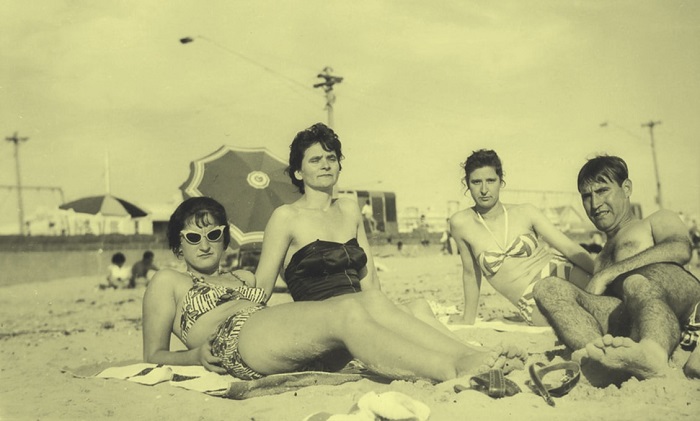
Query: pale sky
pixel 425 84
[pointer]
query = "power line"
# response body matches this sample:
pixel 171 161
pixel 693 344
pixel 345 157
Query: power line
pixel 188 40
pixel 617 126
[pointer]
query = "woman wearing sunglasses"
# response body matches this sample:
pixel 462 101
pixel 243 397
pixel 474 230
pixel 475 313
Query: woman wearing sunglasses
pixel 226 327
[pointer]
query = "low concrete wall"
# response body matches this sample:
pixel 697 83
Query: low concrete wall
pixel 37 266
pixel 38 259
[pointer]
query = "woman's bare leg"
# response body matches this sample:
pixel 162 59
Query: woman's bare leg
pixel 387 314
pixel 422 311
pixel 285 337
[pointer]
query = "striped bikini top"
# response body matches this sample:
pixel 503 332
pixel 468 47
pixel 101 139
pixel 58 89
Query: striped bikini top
pixel 523 245
pixel 203 297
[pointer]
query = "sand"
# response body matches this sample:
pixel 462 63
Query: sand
pixel 47 326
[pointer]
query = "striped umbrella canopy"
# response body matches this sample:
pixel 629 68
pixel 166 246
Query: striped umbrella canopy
pixel 249 182
pixel 107 205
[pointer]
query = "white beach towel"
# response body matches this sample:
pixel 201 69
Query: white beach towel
pixel 498 325
pixel 197 378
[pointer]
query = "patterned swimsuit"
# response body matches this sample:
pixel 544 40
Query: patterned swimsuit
pixel 529 253
pixel 203 297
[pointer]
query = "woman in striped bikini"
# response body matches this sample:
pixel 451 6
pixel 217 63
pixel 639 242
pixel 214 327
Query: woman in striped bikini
pixel 223 321
pixel 503 243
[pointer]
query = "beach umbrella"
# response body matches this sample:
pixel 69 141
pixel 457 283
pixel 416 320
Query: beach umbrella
pixel 249 182
pixel 106 205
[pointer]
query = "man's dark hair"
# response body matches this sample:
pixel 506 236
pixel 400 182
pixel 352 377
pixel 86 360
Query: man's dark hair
pixel 603 169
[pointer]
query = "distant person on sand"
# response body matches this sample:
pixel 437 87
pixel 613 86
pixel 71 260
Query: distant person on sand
pixel 318 244
pixel 504 243
pixel 117 273
pixel 423 231
pixel 227 328
pixel 630 316
pixel 368 216
pixel 143 269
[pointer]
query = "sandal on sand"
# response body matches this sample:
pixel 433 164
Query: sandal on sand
pixel 691 330
pixel 493 383
pixel 539 370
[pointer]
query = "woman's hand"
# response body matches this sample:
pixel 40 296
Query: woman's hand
pixel 207 360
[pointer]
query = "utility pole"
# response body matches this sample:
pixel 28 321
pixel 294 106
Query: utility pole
pixel 16 139
pixel 327 86
pixel 651 125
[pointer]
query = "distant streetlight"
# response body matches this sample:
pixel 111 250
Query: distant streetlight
pixel 650 124
pixel 188 40
pixel 20 206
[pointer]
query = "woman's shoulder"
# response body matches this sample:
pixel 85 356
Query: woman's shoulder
pixel 525 206
pixel 167 285
pixel 347 205
pixel 346 201
pixel 462 217
pixel 462 223
pixel 169 277
pixel 525 209
pixel 284 212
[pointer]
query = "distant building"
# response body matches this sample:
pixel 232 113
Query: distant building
pixel 57 222
pixel 383 207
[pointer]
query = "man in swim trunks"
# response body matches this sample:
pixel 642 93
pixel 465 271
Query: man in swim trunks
pixel 629 318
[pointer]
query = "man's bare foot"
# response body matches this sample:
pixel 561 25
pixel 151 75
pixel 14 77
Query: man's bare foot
pixel 644 359
pixel 691 369
pixel 578 355
pixel 506 358
pixel 595 373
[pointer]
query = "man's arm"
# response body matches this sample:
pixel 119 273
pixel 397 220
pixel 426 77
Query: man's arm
pixel 671 245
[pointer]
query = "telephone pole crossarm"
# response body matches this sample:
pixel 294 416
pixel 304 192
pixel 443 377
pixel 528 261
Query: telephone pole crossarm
pixel 327 85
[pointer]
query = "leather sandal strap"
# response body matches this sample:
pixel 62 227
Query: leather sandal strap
pixel 540 388
pixel 493 383
pixel 539 370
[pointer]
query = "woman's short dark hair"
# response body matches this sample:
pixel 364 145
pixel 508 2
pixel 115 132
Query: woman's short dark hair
pixel 603 169
pixel 480 159
pixel 318 133
pixel 202 211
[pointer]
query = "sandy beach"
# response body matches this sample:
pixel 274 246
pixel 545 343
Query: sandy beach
pixel 48 326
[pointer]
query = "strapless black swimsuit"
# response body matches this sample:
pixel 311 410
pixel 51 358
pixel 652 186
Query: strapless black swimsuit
pixel 325 269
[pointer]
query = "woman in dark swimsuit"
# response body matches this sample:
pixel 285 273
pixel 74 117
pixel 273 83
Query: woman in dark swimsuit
pixel 318 244
pixel 226 327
